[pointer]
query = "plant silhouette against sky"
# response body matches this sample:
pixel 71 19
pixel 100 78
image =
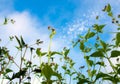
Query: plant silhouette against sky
pixel 64 72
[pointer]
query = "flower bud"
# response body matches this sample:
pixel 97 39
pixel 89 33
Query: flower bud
pixel 49 27
pixel 117 21
pixel 119 16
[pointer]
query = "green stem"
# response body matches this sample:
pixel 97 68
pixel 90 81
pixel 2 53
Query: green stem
pixel 20 68
pixel 87 65
pixel 49 46
pixel 40 60
pixel 22 57
pixel 15 63
pixel 20 79
pixel 100 66
pixel 111 64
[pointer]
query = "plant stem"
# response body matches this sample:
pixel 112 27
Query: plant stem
pixel 22 62
pixel 49 50
pixel 111 64
pixel 20 67
pixel 40 60
pixel 87 65
pixel 15 63
pixel 22 57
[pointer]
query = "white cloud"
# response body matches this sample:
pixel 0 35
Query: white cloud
pixel 30 28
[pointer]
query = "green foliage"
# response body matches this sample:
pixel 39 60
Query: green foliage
pixel 48 72
pixel 20 42
pixel 97 54
pixel 115 53
pixel 89 34
pixel 39 53
pixel 98 28
pixel 5 21
pixel 94 53
pixel 118 39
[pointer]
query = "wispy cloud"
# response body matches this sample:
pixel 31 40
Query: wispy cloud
pixel 31 28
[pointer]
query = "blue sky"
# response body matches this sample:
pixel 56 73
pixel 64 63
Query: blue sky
pixel 68 17
pixel 59 12
pixel 56 12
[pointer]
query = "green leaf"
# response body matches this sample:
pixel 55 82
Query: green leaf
pixel 27 83
pixel 93 72
pixel 118 39
pixel 11 38
pixel 39 53
pixel 18 42
pixel 101 75
pixel 112 79
pixel 100 63
pixel 97 17
pixel 57 75
pixel 56 67
pixel 89 35
pixel 83 81
pixel 104 45
pixel 47 71
pixel 107 77
pixel 5 21
pixel 37 70
pixel 90 62
pixel 82 46
pixel 118 28
pixel 54 53
pixel 118 71
pixel 20 73
pixel 96 45
pixel 8 70
pixel 47 82
pixel 110 14
pixel 97 54
pixel 75 43
pixel 108 8
pixel 67 72
pixel 66 52
pixel 115 53
pixel 43 53
pixel 87 49
pixel 64 67
pixel 22 41
pixel 98 28
pixel 101 27
pixel 7 77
